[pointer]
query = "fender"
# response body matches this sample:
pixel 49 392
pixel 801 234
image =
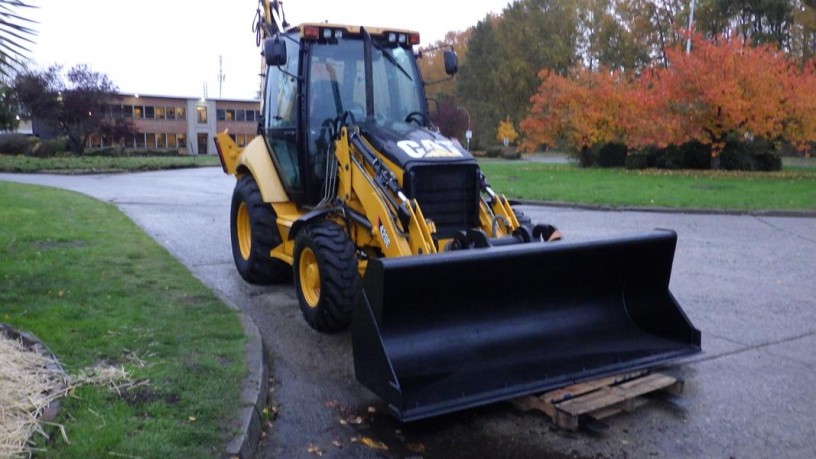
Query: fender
pixel 256 159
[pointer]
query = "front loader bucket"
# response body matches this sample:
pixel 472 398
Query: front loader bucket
pixel 439 333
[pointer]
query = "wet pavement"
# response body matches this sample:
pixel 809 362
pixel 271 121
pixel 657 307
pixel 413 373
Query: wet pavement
pixel 747 282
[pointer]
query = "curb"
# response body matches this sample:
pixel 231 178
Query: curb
pixel 254 390
pixel 666 210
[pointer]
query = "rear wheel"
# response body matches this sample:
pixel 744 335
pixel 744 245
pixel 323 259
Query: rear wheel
pixel 254 234
pixel 326 277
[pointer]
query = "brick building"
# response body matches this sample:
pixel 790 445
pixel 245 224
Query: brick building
pixel 184 124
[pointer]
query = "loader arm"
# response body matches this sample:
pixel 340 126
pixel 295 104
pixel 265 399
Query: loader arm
pixel 397 223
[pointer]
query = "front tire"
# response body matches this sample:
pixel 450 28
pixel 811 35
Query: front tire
pixel 254 233
pixel 326 277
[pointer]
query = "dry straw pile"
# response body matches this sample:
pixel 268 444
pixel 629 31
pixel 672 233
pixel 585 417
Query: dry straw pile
pixel 31 380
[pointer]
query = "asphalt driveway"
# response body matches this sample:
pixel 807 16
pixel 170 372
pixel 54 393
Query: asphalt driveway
pixel 747 282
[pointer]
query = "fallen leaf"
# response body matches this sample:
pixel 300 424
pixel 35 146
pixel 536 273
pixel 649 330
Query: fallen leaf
pixel 313 449
pixel 332 404
pixel 337 443
pixel 191 419
pixel 417 448
pixel 374 444
pixel 372 410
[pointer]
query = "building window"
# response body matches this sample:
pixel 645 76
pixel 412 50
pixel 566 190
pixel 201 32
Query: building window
pixel 127 111
pixel 240 115
pixel 171 113
pixel 161 140
pixel 181 113
pixel 150 112
pixel 230 115
pixel 182 140
pixel 220 114
pixel 150 141
pixel 202 115
pixel 250 115
pixel 140 140
pixel 96 141
pixel 159 113
pixel 138 111
pixel 242 140
pixel 171 139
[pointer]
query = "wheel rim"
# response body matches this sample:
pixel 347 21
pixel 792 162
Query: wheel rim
pixel 243 230
pixel 309 277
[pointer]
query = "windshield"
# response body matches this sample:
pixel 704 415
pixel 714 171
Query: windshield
pixel 338 82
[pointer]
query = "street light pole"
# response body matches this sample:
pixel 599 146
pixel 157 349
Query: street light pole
pixel 469 133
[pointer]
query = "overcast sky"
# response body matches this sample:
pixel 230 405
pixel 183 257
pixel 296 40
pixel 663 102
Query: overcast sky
pixel 171 47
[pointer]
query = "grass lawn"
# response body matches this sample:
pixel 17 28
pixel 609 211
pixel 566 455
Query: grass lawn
pixel 101 164
pixel 791 189
pixel 97 290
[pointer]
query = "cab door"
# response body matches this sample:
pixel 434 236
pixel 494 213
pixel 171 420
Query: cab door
pixel 281 120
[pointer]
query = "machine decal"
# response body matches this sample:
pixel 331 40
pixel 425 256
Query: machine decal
pixel 383 233
pixel 429 149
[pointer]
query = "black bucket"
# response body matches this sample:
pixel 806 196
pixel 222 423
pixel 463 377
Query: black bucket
pixel 440 333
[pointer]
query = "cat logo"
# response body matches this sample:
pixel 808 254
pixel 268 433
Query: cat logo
pixel 430 149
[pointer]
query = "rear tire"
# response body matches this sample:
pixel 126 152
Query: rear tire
pixel 254 233
pixel 326 277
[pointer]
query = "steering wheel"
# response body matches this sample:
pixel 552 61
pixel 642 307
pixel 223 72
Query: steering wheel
pixel 417 117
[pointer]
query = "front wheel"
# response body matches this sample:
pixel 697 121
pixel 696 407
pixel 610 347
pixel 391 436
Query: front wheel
pixel 326 277
pixel 254 233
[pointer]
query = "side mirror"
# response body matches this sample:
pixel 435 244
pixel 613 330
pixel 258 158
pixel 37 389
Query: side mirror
pixel 274 51
pixel 451 62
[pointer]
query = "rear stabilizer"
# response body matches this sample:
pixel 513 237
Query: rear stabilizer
pixel 439 333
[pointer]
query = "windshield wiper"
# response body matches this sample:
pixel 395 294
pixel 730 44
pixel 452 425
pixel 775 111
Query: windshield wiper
pixel 392 60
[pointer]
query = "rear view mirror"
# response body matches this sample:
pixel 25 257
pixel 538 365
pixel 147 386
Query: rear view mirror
pixel 451 62
pixel 274 51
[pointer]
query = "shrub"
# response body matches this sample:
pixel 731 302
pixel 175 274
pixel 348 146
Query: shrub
pixel 767 160
pixel 636 161
pixel 585 157
pixel 510 153
pixel 48 148
pixel 16 144
pixel 494 152
pixel 696 155
pixel 611 155
pixel 755 155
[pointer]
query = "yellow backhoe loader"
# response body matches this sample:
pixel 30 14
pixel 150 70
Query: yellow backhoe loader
pixel 454 299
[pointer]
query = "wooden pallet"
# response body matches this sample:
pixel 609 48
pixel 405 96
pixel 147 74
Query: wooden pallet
pixel 585 404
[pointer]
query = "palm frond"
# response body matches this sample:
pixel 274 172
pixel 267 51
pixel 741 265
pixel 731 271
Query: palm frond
pixel 15 33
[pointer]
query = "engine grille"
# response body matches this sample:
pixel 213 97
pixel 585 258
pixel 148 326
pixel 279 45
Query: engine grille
pixel 447 194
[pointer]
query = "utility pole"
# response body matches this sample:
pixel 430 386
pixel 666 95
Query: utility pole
pixel 221 76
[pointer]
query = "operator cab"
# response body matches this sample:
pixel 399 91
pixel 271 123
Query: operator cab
pixel 316 74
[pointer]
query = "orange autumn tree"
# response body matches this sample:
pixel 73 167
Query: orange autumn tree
pixel 724 87
pixel 799 127
pixel 579 111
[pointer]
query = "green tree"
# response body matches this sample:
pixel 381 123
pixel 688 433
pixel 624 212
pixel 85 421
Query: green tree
pixel 8 108
pixel 15 33
pixel 477 88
